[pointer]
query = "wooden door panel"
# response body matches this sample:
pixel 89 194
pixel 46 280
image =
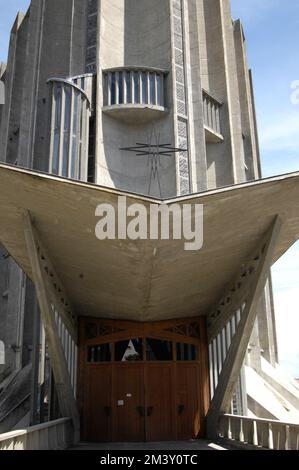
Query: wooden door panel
pixel 97 404
pixel 175 393
pixel 187 401
pixel 129 424
pixel 159 402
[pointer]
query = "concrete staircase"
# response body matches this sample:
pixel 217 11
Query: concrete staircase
pixel 15 400
pixel 271 394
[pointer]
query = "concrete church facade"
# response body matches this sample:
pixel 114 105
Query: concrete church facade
pixel 88 86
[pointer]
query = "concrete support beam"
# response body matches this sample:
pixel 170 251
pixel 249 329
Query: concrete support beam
pixel 65 394
pixel 237 351
pixel 231 302
pixel 56 292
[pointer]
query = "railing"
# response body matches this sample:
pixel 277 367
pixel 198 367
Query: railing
pixel 134 86
pixel 212 108
pixel 69 133
pixel 54 435
pixel 218 350
pixel 69 347
pixel 262 433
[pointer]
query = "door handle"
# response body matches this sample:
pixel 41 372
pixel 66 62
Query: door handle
pixel 150 410
pixel 141 411
pixel 108 411
pixel 181 409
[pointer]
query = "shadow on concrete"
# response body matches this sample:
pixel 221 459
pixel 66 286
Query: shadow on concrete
pixel 176 445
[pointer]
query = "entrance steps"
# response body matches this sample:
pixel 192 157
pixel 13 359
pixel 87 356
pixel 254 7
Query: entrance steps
pixel 195 445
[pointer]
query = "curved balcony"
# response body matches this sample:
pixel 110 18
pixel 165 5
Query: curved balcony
pixel 134 94
pixel 71 109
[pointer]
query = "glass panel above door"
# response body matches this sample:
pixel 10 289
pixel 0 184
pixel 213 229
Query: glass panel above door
pixel 158 350
pixel 100 353
pixel 129 351
pixel 186 352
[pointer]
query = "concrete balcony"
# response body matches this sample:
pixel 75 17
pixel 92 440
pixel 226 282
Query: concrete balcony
pixel 71 101
pixel 134 94
pixel 212 121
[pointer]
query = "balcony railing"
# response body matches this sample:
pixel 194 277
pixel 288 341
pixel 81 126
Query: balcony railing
pixel 134 92
pixel 260 433
pixel 218 350
pixel 212 109
pixel 55 435
pixel 69 133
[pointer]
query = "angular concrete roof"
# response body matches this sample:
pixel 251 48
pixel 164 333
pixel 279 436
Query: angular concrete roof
pixel 143 280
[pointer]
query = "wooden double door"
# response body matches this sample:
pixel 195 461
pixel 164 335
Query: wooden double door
pixel 142 402
pixel 126 400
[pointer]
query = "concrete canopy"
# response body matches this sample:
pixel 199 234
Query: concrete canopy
pixel 143 280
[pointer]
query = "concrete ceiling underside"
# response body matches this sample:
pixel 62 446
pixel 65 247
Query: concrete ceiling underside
pixel 143 280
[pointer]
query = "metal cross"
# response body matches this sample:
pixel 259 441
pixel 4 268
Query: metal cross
pixel 154 152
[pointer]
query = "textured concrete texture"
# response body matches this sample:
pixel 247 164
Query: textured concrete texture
pixel 196 445
pixel 200 47
pixel 147 289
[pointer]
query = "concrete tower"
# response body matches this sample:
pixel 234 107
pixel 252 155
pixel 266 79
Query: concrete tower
pixel 85 80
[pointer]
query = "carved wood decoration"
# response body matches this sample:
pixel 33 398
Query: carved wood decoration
pixel 94 331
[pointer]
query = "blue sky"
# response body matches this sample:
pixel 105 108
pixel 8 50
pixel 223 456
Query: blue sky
pixel 272 32
pixel 8 11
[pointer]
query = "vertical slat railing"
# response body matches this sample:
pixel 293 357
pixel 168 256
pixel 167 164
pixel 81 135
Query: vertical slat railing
pixel 211 110
pixel 260 433
pixel 218 349
pixel 70 348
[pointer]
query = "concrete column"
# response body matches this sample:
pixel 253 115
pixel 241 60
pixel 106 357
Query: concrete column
pixel 30 85
pixel 197 146
pixel 254 347
pixel 225 161
pixel 2 89
pixel 246 105
pixel 233 94
pixel 13 92
pixel 214 80
pixel 61 27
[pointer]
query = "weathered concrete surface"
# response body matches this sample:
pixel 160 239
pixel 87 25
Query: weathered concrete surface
pixel 48 40
pixel 196 41
pixel 174 445
pixel 235 220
